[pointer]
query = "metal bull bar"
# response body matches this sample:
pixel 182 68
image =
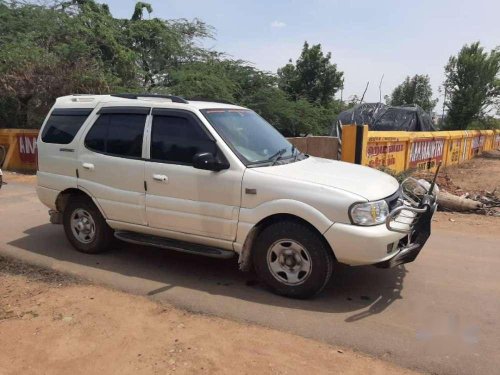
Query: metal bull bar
pixel 417 200
pixel 397 213
pixel 413 218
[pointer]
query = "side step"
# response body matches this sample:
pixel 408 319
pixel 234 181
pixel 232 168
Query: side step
pixel 167 243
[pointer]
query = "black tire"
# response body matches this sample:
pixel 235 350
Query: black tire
pixel 102 236
pixel 292 233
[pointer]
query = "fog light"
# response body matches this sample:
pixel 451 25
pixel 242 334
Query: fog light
pixel 391 247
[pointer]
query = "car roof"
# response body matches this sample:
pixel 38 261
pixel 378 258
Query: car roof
pixel 92 101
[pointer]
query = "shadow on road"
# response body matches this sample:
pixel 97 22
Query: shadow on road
pixel 368 289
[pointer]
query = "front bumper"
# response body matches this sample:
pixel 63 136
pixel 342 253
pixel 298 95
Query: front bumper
pixel 399 241
pixel 416 238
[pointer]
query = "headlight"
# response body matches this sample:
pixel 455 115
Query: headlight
pixel 369 213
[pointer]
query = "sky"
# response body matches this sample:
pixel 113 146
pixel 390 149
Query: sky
pixel 367 39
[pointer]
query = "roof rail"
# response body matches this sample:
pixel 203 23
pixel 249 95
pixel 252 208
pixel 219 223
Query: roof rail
pixel 173 98
pixel 205 99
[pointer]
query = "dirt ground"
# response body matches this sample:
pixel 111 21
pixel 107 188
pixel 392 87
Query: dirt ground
pixel 51 323
pixel 475 176
pixel 467 224
pixel 477 179
pixel 19 177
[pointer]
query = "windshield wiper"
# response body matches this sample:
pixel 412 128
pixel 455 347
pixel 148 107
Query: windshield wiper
pixel 296 152
pixel 277 156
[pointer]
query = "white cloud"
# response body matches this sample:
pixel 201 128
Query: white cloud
pixel 278 24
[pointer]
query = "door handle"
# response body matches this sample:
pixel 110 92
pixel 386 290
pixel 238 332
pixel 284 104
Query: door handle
pixel 88 166
pixel 160 177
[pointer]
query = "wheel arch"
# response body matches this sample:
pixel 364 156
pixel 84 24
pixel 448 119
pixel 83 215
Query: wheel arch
pixel 64 196
pixel 245 258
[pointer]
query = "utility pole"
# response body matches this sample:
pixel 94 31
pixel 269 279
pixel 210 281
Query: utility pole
pixel 366 88
pixel 444 102
pixel 342 93
pixel 380 89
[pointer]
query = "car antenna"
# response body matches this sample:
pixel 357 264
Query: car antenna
pixel 433 183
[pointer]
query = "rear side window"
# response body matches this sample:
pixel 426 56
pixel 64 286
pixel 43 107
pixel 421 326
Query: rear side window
pixel 117 134
pixel 63 124
pixel 96 137
pixel 176 139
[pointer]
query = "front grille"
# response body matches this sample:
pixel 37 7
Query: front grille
pixel 395 200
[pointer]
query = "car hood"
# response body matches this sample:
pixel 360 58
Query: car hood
pixel 366 182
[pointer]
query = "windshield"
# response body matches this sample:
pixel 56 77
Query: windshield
pixel 249 135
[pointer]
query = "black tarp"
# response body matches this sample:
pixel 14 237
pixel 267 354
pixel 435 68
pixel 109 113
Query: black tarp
pixel 379 116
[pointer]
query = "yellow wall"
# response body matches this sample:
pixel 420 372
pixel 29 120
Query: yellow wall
pixel 401 151
pixel 398 151
pixel 18 149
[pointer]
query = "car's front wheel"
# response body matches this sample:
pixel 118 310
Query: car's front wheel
pixel 85 227
pixel 292 259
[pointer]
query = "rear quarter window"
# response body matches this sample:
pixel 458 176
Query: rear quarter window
pixel 63 124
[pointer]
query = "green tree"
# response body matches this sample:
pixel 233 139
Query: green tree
pixel 236 81
pixel 38 63
pixel 485 123
pixel 201 79
pixel 313 77
pixel 77 46
pixel 291 118
pixel 472 85
pixel 161 46
pixel 414 90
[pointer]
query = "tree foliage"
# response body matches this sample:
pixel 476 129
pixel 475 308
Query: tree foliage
pixel 77 46
pixel 238 82
pixel 415 90
pixel 472 85
pixel 313 77
pixel 485 123
pixel 40 59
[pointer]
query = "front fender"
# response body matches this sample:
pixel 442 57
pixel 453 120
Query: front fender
pixel 250 217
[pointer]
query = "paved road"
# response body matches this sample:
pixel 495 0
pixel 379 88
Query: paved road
pixel 439 314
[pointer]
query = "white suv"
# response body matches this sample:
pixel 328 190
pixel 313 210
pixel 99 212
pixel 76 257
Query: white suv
pixel 218 180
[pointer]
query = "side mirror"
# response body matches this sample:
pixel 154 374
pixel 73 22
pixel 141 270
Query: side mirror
pixel 207 161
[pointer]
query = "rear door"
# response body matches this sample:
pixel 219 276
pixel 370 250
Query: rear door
pixel 57 146
pixel 111 165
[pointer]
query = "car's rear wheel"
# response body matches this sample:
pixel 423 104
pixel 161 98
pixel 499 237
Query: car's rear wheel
pixel 292 259
pixel 85 227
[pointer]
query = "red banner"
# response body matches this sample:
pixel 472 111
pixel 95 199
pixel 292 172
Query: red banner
pixel 426 153
pixel 27 148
